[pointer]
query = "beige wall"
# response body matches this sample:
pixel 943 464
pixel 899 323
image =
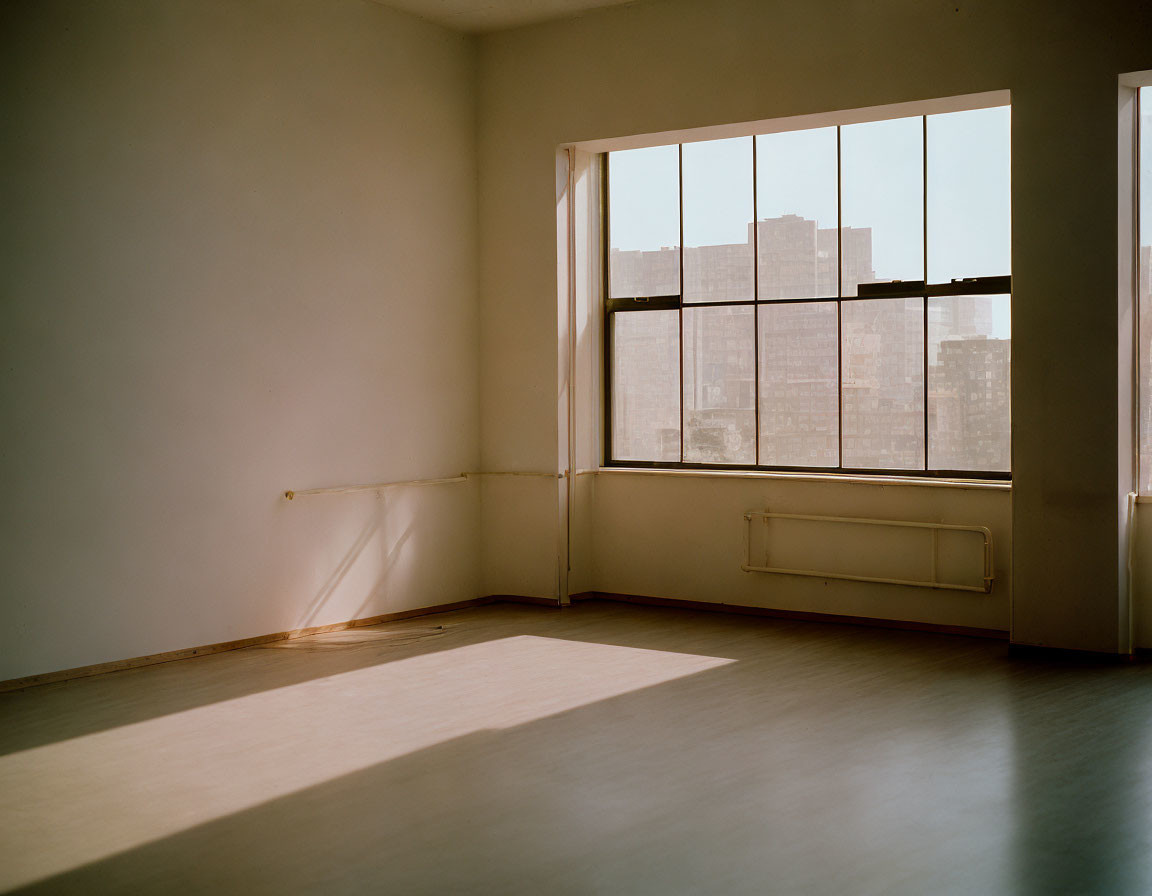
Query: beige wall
pixel 656 66
pixel 237 256
pixel 683 537
pixel 1142 578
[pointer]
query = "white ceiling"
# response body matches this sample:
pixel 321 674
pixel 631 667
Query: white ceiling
pixel 493 15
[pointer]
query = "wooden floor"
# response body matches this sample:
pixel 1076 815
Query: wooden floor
pixel 602 749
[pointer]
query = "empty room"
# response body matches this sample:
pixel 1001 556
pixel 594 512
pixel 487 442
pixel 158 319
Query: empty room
pixel 565 446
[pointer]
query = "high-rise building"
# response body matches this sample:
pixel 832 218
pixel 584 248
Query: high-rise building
pixel 969 404
pixel 866 363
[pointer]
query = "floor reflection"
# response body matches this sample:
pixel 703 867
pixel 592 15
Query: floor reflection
pixel 1082 781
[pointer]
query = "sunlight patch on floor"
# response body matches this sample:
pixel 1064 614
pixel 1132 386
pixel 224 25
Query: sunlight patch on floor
pixel 77 801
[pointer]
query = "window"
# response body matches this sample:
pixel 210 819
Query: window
pixel 833 299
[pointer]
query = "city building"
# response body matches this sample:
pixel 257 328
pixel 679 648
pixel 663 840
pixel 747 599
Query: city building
pixel 882 351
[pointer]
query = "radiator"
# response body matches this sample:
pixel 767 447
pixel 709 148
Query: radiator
pixel 933 581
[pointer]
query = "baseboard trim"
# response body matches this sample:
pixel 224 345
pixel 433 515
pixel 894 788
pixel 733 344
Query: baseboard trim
pixel 800 615
pixel 16 684
pixel 522 599
pixel 1066 655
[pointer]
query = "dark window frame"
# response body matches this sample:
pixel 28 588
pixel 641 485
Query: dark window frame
pixel 972 286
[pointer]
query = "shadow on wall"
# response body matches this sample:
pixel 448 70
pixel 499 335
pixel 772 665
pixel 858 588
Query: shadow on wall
pixel 389 556
pixel 332 583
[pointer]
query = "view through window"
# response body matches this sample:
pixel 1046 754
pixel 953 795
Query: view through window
pixel 834 298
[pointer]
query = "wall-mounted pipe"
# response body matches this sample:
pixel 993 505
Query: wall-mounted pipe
pixel 369 487
pixel 517 473
pixel 1133 499
pixel 819 574
pixel 570 390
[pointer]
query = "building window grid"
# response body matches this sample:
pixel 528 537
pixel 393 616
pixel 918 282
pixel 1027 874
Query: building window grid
pixel 897 289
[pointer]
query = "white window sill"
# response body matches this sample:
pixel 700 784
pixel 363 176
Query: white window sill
pixel 930 482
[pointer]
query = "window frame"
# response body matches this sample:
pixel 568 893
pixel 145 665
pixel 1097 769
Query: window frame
pixel 1141 86
pixel 975 286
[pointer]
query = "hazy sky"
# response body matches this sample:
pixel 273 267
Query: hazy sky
pixel 882 164
pixel 1146 166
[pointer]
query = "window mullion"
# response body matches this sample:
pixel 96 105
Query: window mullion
pixel 839 309
pixel 680 310
pixel 924 224
pixel 607 450
pixel 755 313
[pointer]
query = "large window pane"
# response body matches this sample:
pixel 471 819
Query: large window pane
pixel 969 194
pixel 800 220
pixel 799 403
pixel 1144 256
pixel 796 214
pixel 646 386
pixel 718 255
pixel 969 369
pixel 882 201
pixel 644 222
pixel 883 383
pixel 719 385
